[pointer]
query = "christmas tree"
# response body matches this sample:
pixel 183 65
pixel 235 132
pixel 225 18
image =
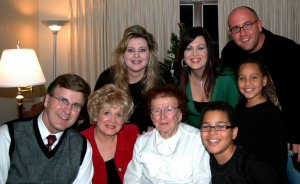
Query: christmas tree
pixel 172 52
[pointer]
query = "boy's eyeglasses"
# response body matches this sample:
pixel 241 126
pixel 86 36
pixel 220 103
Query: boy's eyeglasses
pixel 208 128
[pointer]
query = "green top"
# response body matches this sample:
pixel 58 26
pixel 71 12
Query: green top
pixel 225 90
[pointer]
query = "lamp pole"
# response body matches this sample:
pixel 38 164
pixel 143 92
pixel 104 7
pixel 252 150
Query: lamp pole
pixel 54 26
pixel 20 98
pixel 54 53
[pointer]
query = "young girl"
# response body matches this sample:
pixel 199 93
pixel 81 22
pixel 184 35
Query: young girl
pixel 261 129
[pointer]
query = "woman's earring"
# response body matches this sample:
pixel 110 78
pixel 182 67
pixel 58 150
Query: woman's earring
pixel 183 64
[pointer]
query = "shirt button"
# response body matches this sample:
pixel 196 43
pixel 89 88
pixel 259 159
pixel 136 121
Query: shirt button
pixel 120 169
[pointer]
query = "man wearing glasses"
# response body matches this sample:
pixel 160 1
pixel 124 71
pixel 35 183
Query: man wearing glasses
pixel 45 149
pixel 279 54
pixel 230 163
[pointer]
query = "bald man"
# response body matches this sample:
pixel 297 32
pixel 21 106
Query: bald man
pixel 279 54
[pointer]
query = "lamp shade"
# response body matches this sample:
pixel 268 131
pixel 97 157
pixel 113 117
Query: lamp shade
pixel 55 25
pixel 20 68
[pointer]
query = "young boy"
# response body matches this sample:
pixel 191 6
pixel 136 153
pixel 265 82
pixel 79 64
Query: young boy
pixel 230 163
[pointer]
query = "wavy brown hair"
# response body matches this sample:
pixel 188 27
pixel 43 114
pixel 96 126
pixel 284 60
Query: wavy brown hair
pixel 70 81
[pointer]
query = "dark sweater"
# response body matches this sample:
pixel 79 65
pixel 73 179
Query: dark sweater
pixel 32 163
pixel 242 168
pixel 261 131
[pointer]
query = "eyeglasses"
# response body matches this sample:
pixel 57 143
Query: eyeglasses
pixel 167 111
pixel 219 127
pixel 140 51
pixel 246 26
pixel 65 102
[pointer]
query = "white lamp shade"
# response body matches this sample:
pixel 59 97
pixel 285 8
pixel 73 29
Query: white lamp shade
pixel 55 25
pixel 20 68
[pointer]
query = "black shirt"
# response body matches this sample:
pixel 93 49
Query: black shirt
pixel 112 172
pixel 242 168
pixel 261 131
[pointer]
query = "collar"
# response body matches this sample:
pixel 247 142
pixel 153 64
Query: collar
pixel 44 131
pixel 168 146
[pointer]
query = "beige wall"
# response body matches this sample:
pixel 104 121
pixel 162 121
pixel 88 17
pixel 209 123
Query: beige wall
pixel 21 20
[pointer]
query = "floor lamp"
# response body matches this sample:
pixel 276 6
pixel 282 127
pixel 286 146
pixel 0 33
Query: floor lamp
pixel 20 68
pixel 54 26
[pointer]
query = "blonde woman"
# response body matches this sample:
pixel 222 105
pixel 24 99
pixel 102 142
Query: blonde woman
pixel 112 140
pixel 136 69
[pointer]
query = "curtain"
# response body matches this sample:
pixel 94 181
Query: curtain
pixel 96 27
pixel 278 16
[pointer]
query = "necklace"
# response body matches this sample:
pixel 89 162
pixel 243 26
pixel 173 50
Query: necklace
pixel 201 83
pixel 196 78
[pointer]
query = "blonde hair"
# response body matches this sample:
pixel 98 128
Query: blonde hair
pixel 151 76
pixel 109 96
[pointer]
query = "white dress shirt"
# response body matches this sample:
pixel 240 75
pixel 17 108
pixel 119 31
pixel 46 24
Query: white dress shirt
pixel 180 159
pixel 86 170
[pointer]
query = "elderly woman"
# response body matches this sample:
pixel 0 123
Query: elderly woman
pixel 173 151
pixel 112 140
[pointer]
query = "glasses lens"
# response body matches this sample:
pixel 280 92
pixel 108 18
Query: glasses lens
pixel 235 29
pixel 167 111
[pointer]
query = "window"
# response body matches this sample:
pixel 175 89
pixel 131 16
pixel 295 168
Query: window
pixel 201 13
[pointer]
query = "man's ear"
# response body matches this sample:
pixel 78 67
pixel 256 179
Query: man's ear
pixel 234 133
pixel 46 100
pixel 260 25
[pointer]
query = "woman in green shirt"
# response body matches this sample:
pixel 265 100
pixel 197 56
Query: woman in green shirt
pixel 199 73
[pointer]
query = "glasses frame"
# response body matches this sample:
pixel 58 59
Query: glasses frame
pixel 65 102
pixel 220 127
pixel 246 26
pixel 158 111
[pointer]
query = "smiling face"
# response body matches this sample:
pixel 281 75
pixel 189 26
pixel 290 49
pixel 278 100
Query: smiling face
pixel 110 120
pixel 250 40
pixel 58 116
pixel 195 54
pixel 250 83
pixel 219 143
pixel 168 115
pixel 137 55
